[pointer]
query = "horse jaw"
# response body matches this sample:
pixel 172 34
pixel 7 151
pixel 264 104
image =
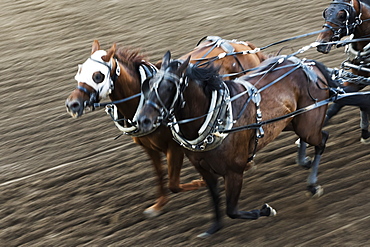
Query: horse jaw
pixel 325 49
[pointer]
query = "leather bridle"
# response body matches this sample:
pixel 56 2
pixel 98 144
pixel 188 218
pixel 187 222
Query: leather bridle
pixel 348 24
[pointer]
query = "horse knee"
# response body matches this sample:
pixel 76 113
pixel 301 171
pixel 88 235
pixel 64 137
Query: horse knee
pixel 321 148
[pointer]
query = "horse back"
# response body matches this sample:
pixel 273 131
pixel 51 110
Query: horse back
pixel 231 63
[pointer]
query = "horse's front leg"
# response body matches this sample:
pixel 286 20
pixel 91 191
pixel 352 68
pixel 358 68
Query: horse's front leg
pixel 233 185
pixel 162 200
pixel 175 157
pixel 314 189
pixel 212 184
pixel 302 159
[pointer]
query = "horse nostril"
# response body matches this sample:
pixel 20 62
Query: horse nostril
pixel 145 123
pixel 74 106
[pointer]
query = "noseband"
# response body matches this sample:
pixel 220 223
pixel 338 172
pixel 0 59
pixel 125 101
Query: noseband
pixel 161 108
pixel 345 27
pixel 94 96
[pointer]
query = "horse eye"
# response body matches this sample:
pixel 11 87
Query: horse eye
pixel 98 77
pixel 342 16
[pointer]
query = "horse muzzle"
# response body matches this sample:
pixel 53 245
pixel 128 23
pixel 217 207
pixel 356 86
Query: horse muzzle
pixel 147 124
pixel 75 107
pixel 324 48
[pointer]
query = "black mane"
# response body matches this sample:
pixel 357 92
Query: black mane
pixel 206 76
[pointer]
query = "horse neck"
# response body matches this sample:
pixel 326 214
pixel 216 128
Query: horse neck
pixel 127 84
pixel 363 30
pixel 196 104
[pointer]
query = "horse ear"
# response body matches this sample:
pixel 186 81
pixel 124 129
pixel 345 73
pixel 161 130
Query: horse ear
pixel 95 46
pixel 110 53
pixel 356 5
pixel 166 59
pixel 158 64
pixel 183 66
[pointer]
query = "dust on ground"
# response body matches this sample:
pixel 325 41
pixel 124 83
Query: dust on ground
pixel 67 182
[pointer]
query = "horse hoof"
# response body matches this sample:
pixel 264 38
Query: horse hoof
pixel 204 235
pixel 365 141
pixel 314 191
pixel 151 212
pixel 214 228
pixel 268 211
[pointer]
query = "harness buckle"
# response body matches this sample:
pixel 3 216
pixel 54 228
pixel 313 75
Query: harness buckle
pixel 260 132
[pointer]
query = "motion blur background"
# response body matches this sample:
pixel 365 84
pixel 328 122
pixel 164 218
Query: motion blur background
pixel 67 182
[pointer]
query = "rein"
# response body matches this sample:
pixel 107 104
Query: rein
pixel 295 113
pixel 96 105
pixel 256 50
pixel 146 70
pixel 222 55
pixel 303 49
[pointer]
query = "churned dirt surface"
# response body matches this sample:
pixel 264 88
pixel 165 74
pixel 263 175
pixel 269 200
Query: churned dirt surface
pixel 67 182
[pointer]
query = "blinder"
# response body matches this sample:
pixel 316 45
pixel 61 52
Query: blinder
pixel 152 85
pixel 145 88
pixel 102 85
pixel 344 16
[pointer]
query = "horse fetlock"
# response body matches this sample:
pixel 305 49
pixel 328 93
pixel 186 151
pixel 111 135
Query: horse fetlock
pixel 314 191
pixel 305 163
pixel 176 188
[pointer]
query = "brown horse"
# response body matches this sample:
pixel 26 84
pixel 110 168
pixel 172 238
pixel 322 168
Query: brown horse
pixel 119 75
pixel 343 18
pixel 205 108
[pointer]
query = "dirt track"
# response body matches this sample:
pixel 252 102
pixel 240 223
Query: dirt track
pixel 66 182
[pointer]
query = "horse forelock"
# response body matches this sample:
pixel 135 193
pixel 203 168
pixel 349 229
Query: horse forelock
pixel 207 77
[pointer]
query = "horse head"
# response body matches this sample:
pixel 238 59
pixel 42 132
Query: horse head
pixel 94 80
pixel 162 92
pixel 341 19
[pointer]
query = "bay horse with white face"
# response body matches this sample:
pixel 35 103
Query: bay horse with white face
pixel 118 74
pixel 205 108
pixel 343 18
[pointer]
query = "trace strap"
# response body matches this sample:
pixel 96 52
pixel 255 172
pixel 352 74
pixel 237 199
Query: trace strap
pixel 295 113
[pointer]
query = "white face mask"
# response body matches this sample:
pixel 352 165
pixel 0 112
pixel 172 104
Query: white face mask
pixel 92 65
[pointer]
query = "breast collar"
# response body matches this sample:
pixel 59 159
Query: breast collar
pixel 220 118
pixel 146 70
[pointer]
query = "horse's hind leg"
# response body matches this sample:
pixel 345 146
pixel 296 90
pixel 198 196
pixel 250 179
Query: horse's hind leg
pixel 233 185
pixel 212 184
pixel 313 188
pixel 332 111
